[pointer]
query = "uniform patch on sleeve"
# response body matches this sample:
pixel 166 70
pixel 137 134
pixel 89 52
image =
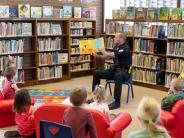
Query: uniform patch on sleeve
pixel 121 50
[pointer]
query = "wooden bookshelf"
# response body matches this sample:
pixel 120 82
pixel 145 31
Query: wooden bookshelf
pixel 78 31
pixel 35 56
pixel 163 46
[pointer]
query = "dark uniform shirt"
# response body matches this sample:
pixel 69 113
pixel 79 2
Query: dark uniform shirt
pixel 123 58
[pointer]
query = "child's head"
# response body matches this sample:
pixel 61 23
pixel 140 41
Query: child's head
pixel 149 113
pixel 10 62
pixel 78 96
pixel 176 85
pixel 99 93
pixel 21 100
pixel 10 72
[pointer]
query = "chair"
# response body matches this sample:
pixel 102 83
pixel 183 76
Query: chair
pixel 54 130
pixel 128 83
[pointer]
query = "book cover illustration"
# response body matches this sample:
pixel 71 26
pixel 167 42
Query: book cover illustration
pixel 116 14
pixel 13 13
pixel 36 12
pixel 47 11
pixel 152 13
pixel 24 10
pixel 140 13
pixel 56 13
pixel 163 13
pixel 61 13
pixel 85 12
pixel 67 11
pixel 4 11
pixel 176 14
pixel 27 29
pixel 130 13
pixel 86 47
pixel 123 13
pixel 92 12
pixel 62 58
pixel 98 44
pixel 77 12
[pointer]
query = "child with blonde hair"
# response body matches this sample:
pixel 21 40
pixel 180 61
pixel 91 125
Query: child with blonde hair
pixel 99 104
pixel 149 113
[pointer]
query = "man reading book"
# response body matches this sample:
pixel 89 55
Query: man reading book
pixel 119 71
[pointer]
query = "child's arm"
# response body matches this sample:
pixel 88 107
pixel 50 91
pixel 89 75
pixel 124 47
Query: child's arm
pixel 91 126
pixel 14 86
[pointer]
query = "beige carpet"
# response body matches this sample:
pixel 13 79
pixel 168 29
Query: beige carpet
pixel 139 92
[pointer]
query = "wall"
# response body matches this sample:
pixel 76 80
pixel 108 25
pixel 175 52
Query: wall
pixel 57 3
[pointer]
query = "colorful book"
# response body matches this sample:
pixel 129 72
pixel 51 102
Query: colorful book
pixel 56 13
pixel 116 14
pixel 36 12
pixel 47 11
pixel 27 29
pixel 130 13
pixel 123 13
pixel 24 10
pixel 92 12
pixel 85 12
pixel 62 58
pixel 152 13
pixel 13 13
pixel 4 11
pixel 77 12
pixel 98 44
pixel 163 13
pixel 61 13
pixel 140 13
pixel 67 11
pixel 176 14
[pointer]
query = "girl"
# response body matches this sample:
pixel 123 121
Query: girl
pixel 9 87
pixel 99 104
pixel 148 114
pixel 24 114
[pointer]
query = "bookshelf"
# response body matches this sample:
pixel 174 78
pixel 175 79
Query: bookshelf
pixel 41 48
pixel 157 49
pixel 80 29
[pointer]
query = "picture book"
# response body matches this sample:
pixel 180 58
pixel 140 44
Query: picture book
pixel 85 12
pixel 56 13
pixel 140 13
pixel 92 12
pixel 77 12
pixel 27 29
pixel 176 14
pixel 152 13
pixel 130 13
pixel 4 11
pixel 98 44
pixel 123 13
pixel 24 10
pixel 61 13
pixel 116 14
pixel 163 13
pixel 62 58
pixel 13 13
pixel 36 12
pixel 47 11
pixel 67 11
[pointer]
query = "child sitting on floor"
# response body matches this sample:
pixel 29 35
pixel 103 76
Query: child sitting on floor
pixel 149 113
pixel 99 104
pixel 77 115
pixel 24 114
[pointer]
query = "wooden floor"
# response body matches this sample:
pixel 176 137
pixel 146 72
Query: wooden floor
pixel 131 107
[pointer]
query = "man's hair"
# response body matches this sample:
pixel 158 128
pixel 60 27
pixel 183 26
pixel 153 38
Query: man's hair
pixel 178 84
pixel 78 95
pixel 21 100
pixel 10 72
pixel 122 35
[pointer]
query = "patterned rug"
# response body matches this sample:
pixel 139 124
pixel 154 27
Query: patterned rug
pixel 43 95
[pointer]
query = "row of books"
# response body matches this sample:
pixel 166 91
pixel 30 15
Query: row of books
pixel 78 32
pixel 85 66
pixel 175 65
pixel 147 76
pixel 81 58
pixel 75 50
pixel 52 58
pixel 75 41
pixel 162 13
pixel 19 76
pixel 15 29
pixel 120 27
pixel 175 48
pixel 45 73
pixel 168 78
pixel 107 66
pixel 150 30
pixel 49 44
pixel 146 46
pixel 109 42
pixel 27 11
pixel 47 28
pixel 11 46
pixel 176 30
pixel 148 61
pixel 81 24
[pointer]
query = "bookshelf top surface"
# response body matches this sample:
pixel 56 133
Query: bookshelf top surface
pixel 145 20
pixel 66 19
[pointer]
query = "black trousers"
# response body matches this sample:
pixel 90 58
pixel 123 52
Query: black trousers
pixel 118 75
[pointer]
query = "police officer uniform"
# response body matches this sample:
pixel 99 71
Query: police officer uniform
pixel 118 72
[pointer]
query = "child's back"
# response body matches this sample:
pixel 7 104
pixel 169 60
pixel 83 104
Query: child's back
pixel 8 91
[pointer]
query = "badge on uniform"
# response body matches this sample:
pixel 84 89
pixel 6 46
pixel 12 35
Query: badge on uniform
pixel 121 50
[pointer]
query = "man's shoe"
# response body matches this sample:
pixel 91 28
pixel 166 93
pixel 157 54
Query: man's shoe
pixel 114 105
